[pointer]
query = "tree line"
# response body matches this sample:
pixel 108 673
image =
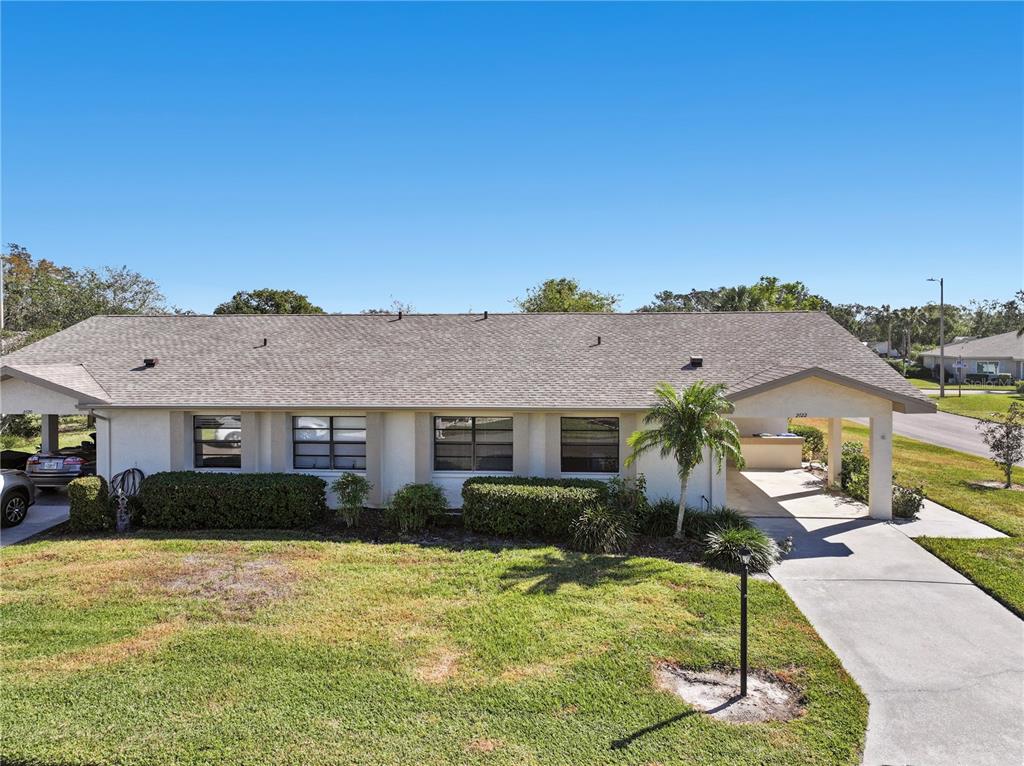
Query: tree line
pixel 42 297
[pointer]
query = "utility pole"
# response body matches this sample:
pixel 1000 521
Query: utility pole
pixel 942 334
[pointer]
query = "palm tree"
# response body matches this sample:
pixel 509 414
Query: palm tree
pixel 684 424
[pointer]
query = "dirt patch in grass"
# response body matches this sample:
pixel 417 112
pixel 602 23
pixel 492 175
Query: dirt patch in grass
pixel 716 693
pixel 234 587
pixel 438 667
pixel 483 745
pixel 997 485
pixel 148 640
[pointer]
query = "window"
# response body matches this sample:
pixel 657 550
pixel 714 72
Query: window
pixel 218 441
pixel 988 368
pixel 327 443
pixel 590 445
pixel 472 444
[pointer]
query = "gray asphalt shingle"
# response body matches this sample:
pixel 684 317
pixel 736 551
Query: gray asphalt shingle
pixel 447 360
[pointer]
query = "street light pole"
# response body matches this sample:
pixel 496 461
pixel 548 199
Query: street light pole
pixel 745 553
pixel 942 335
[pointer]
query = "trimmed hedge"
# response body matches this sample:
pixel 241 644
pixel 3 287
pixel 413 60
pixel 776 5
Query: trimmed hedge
pixel 197 500
pixel 814 441
pixel 90 509
pixel 529 506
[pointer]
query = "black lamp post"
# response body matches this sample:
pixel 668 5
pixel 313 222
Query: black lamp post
pixel 745 553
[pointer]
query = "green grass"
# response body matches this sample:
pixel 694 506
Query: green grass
pixel 982 406
pixel 929 384
pixel 32 444
pixel 996 566
pixel 269 650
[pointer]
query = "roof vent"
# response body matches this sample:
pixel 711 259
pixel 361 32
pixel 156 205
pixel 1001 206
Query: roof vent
pixel 696 361
pixel 150 361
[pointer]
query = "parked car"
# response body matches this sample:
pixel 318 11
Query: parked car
pixel 12 458
pixel 17 494
pixel 56 469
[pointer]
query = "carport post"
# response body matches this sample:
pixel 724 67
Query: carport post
pixel 880 481
pixel 51 438
pixel 835 451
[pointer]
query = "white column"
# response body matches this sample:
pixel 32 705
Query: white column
pixel 423 446
pixel 521 444
pixel 51 437
pixel 552 445
pixel 374 451
pixel 180 430
pixel 277 452
pixel 250 442
pixel 103 446
pixel 627 425
pixel 835 450
pixel 880 490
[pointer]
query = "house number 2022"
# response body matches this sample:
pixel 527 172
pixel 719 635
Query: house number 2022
pixel 800 415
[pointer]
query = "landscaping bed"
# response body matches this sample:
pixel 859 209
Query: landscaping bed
pixel 267 647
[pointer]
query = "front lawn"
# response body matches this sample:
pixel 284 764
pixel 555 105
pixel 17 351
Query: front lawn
pixel 929 384
pixel 997 566
pixel 266 649
pixel 983 406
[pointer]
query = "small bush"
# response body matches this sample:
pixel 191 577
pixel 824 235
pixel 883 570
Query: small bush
pixel 1002 378
pixel 907 501
pixel 854 476
pixel 814 441
pixel 722 547
pixel 528 507
pixel 604 529
pixel 697 524
pixel 1020 386
pixel 90 506
pixel 199 500
pixel 413 506
pixel 352 490
pixel 660 518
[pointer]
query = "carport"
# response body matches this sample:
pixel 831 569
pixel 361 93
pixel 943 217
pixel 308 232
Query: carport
pixel 770 399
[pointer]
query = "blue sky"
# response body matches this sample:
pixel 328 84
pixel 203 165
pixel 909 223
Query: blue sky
pixel 453 155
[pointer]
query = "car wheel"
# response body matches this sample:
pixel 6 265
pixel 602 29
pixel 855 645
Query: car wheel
pixel 15 508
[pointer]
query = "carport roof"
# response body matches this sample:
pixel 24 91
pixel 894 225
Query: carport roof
pixel 503 361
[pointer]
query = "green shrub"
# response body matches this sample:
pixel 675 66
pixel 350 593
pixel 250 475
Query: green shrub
pixel 90 507
pixel 603 529
pixel 199 500
pixel 660 518
pixel 907 501
pixel 697 524
pixel 528 507
pixel 854 476
pixel 413 506
pixel 1020 386
pixel 351 490
pixel 722 547
pixel 814 441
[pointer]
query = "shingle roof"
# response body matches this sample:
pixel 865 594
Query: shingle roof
pixel 450 360
pixel 74 379
pixel 1001 346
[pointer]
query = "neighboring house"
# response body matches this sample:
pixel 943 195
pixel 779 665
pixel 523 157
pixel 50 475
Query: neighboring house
pixel 442 397
pixel 996 354
pixel 882 348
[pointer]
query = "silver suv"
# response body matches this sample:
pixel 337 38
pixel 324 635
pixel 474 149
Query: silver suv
pixel 17 493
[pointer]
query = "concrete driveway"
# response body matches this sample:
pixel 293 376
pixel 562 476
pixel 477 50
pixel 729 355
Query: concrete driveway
pixel 942 664
pixel 50 509
pixel 940 428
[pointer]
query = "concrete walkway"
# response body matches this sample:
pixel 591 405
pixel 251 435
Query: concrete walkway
pixel 942 664
pixel 50 509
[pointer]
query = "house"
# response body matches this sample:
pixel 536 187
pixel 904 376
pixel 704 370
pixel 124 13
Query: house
pixel 443 397
pixel 994 355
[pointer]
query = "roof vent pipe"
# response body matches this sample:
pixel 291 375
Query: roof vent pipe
pixel 485 315
pixel 696 361
pixel 399 314
pixel 150 361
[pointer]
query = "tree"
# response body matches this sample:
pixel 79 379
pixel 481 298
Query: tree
pixel 1005 439
pixel 684 424
pixel 767 294
pixel 396 307
pixel 562 295
pixel 268 301
pixel 42 297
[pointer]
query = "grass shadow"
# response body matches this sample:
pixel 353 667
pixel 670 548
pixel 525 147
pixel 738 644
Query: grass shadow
pixel 570 568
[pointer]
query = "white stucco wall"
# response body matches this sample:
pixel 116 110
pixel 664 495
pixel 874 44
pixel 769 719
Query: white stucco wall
pixel 811 397
pixel 770 425
pixel 399 452
pixel 20 396
pixel 133 439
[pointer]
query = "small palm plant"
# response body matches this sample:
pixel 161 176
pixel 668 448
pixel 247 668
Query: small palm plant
pixel 681 425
